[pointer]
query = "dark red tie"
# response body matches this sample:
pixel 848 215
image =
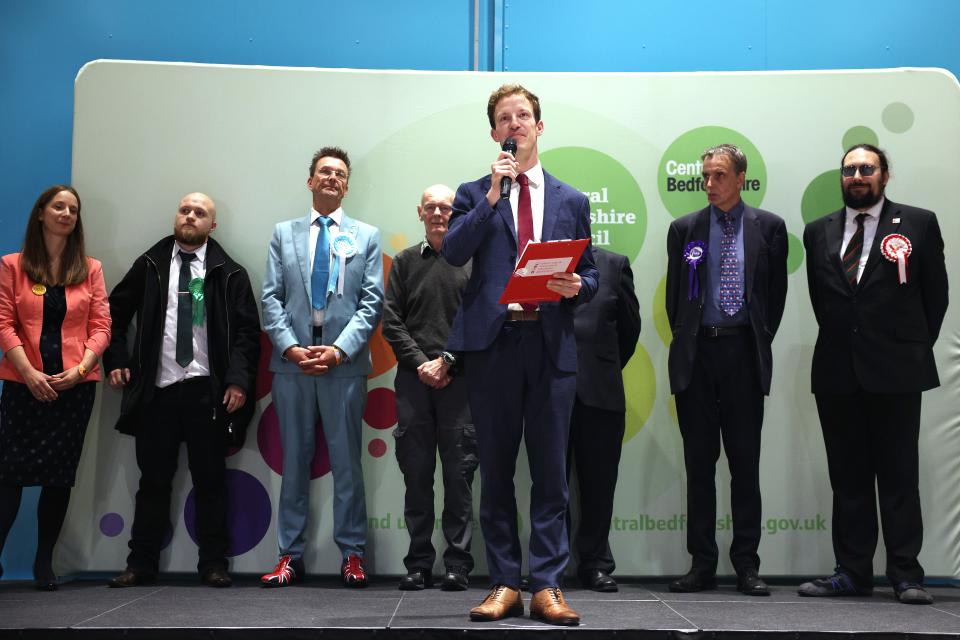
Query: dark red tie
pixel 524 213
pixel 524 222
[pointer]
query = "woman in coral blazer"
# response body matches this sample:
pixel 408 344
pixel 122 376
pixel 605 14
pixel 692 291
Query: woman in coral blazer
pixel 54 324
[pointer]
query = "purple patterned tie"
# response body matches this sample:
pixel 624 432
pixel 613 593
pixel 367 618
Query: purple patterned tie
pixel 731 287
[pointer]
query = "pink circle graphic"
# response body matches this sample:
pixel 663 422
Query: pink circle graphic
pixel 268 440
pixel 377 448
pixel 381 411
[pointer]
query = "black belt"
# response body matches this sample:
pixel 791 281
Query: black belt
pixel 720 332
pixel 318 334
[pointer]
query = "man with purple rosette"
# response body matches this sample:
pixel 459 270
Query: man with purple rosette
pixel 878 286
pixel 726 288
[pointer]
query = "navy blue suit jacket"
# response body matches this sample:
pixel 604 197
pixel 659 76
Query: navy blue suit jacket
pixel 487 235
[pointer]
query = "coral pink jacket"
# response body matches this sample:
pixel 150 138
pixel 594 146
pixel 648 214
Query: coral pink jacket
pixel 85 326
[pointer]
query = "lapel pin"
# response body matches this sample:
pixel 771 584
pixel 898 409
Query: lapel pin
pixel 896 221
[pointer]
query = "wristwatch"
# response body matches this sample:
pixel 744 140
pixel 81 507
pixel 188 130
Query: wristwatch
pixel 448 358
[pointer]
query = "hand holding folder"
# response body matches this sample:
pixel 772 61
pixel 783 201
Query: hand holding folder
pixel 537 264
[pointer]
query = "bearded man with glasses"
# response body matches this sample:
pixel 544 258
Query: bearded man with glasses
pixel 878 286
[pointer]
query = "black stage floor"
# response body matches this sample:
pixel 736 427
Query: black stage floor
pixel 321 608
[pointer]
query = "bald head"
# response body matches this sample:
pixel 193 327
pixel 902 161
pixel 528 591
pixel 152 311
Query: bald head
pixel 437 193
pixel 436 205
pixel 196 218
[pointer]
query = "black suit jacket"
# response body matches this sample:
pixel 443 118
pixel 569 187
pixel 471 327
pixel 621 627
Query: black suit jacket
pixel 765 288
pixel 607 329
pixel 879 335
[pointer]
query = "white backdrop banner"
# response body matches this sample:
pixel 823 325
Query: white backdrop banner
pixel 147 133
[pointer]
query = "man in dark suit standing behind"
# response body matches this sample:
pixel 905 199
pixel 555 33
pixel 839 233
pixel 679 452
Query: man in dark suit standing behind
pixel 726 287
pixel 607 329
pixel 520 362
pixel 878 286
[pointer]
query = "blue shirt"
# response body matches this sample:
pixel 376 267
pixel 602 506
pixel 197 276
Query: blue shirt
pixel 713 315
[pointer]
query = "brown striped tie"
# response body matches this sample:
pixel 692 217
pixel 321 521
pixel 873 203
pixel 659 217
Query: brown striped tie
pixel 851 257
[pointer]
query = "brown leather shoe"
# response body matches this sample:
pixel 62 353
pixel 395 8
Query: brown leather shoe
pixel 549 606
pixel 502 602
pixel 131 578
pixel 216 577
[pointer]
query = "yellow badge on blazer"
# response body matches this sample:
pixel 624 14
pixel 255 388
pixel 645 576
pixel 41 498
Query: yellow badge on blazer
pixel 38 289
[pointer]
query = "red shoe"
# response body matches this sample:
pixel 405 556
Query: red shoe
pixel 288 571
pixel 352 572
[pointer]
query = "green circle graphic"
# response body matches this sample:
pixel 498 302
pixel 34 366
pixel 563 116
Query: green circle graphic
pixel 860 135
pixel 640 390
pixel 618 212
pixel 822 196
pixel 897 117
pixel 794 252
pixel 660 319
pixel 679 175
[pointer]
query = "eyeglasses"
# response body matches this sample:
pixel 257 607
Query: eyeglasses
pixel 431 207
pixel 327 173
pixel 850 170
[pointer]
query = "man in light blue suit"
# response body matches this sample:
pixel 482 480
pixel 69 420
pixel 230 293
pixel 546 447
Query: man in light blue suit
pixel 322 298
pixel 520 361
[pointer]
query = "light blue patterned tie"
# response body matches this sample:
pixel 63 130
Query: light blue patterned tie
pixel 320 276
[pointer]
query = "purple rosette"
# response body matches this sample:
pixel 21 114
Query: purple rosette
pixel 693 255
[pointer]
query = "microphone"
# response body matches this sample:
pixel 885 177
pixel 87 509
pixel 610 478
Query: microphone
pixel 509 145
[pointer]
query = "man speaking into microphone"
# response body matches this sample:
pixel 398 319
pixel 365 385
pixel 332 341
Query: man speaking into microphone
pixel 520 361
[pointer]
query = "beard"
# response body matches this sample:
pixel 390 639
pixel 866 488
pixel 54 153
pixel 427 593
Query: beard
pixel 864 200
pixel 190 236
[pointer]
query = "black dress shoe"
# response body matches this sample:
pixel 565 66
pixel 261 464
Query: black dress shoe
pixel 46 584
pixel 416 581
pixel 216 577
pixel 694 581
pixel 455 579
pixel 131 578
pixel 598 580
pixel 752 585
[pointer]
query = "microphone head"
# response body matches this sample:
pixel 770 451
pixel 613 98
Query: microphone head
pixel 510 145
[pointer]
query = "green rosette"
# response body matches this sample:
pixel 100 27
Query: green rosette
pixel 196 292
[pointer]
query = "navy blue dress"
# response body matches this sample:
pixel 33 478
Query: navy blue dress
pixel 40 442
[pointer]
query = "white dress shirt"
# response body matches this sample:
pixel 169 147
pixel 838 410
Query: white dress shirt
pixel 869 232
pixel 319 314
pixel 170 372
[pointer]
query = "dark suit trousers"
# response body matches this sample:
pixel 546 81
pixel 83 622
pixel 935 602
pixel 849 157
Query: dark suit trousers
pixel 431 420
pixel 516 391
pixel 724 401
pixel 182 412
pixel 871 441
pixel 596 438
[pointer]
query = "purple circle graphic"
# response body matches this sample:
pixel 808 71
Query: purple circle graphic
pixel 111 525
pixel 248 512
pixel 268 440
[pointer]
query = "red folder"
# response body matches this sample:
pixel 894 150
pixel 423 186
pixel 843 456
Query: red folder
pixel 539 261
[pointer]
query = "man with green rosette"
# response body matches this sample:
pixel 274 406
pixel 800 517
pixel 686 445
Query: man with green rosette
pixel 188 376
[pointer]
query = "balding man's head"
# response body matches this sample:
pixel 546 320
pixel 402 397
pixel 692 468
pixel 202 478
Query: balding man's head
pixel 436 205
pixel 196 218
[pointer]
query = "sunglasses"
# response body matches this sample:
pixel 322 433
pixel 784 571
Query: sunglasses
pixel 866 170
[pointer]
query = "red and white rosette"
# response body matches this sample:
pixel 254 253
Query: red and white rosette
pixel 897 248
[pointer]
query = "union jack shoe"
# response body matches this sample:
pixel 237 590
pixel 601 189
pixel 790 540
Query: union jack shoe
pixel 352 572
pixel 288 571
